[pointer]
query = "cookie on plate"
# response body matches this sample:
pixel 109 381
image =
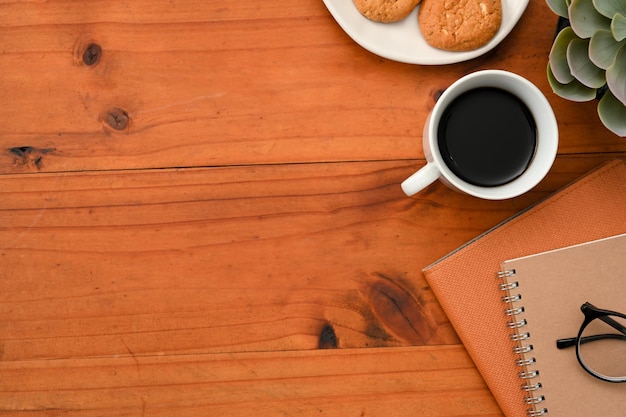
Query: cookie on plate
pixel 386 11
pixel 459 25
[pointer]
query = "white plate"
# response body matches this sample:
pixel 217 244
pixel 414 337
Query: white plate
pixel 403 42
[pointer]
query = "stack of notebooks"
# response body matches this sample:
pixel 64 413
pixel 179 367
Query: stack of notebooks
pixel 540 267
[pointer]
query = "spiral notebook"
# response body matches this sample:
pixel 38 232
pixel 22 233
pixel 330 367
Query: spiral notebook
pixel 544 293
pixel 465 283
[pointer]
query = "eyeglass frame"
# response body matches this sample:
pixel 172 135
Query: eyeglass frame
pixel 592 313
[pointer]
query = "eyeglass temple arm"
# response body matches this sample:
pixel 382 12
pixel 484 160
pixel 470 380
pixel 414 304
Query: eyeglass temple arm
pixel 571 341
pixel 565 343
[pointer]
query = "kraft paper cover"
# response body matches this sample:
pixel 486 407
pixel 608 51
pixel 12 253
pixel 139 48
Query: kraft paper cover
pixel 466 284
pixel 553 286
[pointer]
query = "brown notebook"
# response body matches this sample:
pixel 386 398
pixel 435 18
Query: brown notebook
pixel 465 281
pixel 549 290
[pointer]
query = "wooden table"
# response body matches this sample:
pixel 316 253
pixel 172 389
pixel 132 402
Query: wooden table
pixel 201 212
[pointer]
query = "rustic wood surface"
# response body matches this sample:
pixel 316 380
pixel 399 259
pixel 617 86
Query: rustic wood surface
pixel 200 212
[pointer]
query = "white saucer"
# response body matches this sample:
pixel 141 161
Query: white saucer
pixel 403 42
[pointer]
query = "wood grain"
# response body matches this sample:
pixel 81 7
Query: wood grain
pixel 200 212
pixel 207 85
pixel 365 382
pixel 230 259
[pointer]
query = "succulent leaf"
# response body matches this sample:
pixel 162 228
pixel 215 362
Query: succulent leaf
pixel 603 48
pixel 588 58
pixel 609 8
pixel 558 56
pixel 559 7
pixel 612 113
pixel 586 20
pixel 574 90
pixel 618 26
pixel 616 76
pixel 581 66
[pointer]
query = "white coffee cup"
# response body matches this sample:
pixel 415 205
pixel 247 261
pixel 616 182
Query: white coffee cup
pixel 547 138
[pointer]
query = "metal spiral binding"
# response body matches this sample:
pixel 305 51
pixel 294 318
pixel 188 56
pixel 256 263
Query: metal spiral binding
pixel 528 374
pixel 532 387
pixel 520 336
pixel 535 400
pixel 517 324
pixel 526 362
pixel 509 286
pixel 512 298
pixel 506 274
pixel 522 349
pixel 514 311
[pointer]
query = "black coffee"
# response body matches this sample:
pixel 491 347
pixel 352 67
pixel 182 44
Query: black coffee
pixel 487 136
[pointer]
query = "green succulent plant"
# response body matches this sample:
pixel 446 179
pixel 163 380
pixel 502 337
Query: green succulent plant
pixel 588 57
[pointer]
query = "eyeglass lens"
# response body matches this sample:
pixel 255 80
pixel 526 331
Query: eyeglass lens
pixel 602 347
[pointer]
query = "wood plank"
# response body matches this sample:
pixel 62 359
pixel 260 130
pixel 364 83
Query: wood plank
pixel 424 381
pixel 243 83
pixel 207 219
pixel 231 259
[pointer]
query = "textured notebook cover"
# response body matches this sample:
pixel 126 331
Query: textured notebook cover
pixel 553 286
pixel 466 284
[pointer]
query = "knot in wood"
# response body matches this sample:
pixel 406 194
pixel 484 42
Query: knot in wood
pixel 117 119
pixel 328 338
pixel 92 54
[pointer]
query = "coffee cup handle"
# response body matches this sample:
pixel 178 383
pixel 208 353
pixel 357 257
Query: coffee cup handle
pixel 421 179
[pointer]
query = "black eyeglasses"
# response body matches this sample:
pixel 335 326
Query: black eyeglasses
pixel 600 344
